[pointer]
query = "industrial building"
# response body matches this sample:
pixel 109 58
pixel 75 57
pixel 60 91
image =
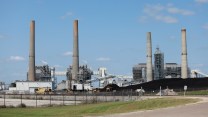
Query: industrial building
pixel 84 74
pixel 28 87
pixel 44 73
pixel 160 70
pixel 145 72
pixel 170 70
pixel 79 76
pixel 158 64
pixel 37 76
pixel 2 86
pixel 139 72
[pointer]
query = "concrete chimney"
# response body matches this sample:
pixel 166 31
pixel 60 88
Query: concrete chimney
pixel 75 67
pixel 184 63
pixel 149 57
pixel 31 74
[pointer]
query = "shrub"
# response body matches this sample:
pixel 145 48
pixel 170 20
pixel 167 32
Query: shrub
pixel 22 105
pixel 2 106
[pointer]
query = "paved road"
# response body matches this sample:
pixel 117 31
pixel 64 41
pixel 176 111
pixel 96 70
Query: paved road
pixel 191 110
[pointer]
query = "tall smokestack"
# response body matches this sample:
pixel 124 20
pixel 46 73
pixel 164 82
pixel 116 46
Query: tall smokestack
pixel 75 67
pixel 184 64
pixel 31 74
pixel 149 57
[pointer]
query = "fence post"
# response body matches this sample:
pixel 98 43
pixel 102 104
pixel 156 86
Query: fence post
pixel 105 96
pixel 21 98
pixel 96 97
pixel 137 95
pixel 86 98
pixel 122 95
pixel 113 97
pixel 36 100
pixel 50 99
pixel 75 99
pixel 4 100
pixel 63 99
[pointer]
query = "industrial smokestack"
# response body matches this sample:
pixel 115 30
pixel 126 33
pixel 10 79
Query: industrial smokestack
pixel 184 64
pixel 149 57
pixel 75 67
pixel 31 74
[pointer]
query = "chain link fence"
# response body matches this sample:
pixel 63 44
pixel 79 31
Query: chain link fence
pixel 35 100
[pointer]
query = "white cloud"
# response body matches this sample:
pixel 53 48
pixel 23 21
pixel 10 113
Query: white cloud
pixel 205 26
pixel 175 10
pixel 103 59
pixel 44 62
pixel 201 1
pixel 67 53
pixel 166 19
pixel 68 14
pixel 164 13
pixel 17 58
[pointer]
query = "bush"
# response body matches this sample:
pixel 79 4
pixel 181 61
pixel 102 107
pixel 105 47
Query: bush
pixel 22 105
pixel 2 106
pixel 10 106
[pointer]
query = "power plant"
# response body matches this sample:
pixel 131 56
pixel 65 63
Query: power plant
pixel 80 78
pixel 145 72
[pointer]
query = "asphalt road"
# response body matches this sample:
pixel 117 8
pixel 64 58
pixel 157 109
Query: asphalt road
pixel 191 110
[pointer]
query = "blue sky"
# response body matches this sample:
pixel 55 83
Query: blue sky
pixel 112 33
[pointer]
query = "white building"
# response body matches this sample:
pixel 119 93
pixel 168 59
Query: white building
pixel 28 86
pixel 102 71
pixel 2 86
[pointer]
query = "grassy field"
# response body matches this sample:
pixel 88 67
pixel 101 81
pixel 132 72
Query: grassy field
pixel 200 92
pixel 94 109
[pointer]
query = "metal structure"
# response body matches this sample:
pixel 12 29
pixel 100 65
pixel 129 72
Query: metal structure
pixel 158 64
pixel 2 86
pixel 149 57
pixel 139 72
pixel 184 63
pixel 31 74
pixel 83 74
pixel 198 74
pixel 172 70
pixel 43 73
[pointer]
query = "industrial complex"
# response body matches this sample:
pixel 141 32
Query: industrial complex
pixel 82 78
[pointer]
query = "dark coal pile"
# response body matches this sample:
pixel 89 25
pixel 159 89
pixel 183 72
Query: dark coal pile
pixel 173 83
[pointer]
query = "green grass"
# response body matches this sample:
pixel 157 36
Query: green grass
pixel 94 109
pixel 200 92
